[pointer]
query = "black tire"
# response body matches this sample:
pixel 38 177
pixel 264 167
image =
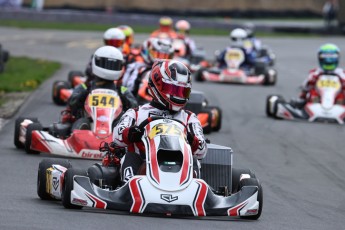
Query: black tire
pixel 269 81
pixel 57 86
pixel 42 177
pixel 235 178
pixel 28 137
pixel 253 182
pixel 81 124
pixel 198 75
pixel 17 143
pixel 67 187
pixel 5 55
pixel 72 74
pixel 268 112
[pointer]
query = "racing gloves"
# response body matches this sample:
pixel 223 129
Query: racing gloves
pixel 132 134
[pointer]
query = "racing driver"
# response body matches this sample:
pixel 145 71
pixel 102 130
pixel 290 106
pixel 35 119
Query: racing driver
pixel 170 86
pixel 328 56
pixel 107 67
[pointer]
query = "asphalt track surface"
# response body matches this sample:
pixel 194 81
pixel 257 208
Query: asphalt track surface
pixel 300 165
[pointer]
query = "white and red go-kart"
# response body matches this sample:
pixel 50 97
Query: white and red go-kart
pixel 167 184
pixel 102 108
pixel 261 73
pixel 325 103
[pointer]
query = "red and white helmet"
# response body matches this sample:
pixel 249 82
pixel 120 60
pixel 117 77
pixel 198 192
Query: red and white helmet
pixel 114 37
pixel 182 26
pixel 170 84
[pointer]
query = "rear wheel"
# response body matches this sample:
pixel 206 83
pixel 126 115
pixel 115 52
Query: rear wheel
pixel 42 176
pixel 56 92
pixel 72 74
pixel 17 123
pixel 28 137
pixel 253 182
pixel 199 75
pixel 68 187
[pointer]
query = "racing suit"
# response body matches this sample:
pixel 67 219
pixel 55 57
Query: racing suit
pixel 133 75
pixel 80 93
pixel 133 117
pixel 314 74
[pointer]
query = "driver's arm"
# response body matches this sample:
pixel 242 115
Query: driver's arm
pixel 199 147
pixel 128 119
pixel 77 99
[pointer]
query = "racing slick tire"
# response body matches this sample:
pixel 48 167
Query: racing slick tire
pixel 19 120
pixel 198 75
pixel 5 55
pixel 67 187
pixel 57 86
pixel 42 177
pixel 72 74
pixel 236 176
pixel 28 137
pixel 270 77
pixel 272 112
pixel 253 182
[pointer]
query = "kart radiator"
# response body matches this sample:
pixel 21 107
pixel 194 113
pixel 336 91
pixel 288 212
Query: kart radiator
pixel 216 166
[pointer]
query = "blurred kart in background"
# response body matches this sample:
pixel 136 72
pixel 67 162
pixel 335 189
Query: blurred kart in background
pixel 4 57
pixel 325 104
pixel 260 74
pixel 80 140
pixel 167 183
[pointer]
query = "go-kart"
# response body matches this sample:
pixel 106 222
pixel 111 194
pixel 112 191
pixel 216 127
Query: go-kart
pixel 210 117
pixel 80 140
pixel 324 104
pixel 260 74
pixel 62 90
pixel 194 61
pixel 168 182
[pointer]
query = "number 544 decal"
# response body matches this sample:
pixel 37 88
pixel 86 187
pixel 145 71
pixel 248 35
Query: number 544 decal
pixel 103 101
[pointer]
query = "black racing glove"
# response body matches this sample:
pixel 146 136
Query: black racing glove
pixel 135 133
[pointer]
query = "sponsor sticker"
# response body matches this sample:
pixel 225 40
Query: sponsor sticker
pixel 169 198
pixel 79 202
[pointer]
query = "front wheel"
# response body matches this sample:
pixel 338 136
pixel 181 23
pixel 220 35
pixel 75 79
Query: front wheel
pixel 253 182
pixel 42 176
pixel 56 92
pixel 19 120
pixel 68 187
pixel 28 137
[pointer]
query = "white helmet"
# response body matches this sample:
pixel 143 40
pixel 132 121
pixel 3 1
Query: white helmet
pixel 238 36
pixel 107 63
pixel 114 37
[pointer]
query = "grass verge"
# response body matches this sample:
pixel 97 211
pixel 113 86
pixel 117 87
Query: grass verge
pixel 25 74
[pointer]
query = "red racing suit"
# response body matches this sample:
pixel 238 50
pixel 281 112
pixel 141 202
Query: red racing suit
pixel 314 74
pixel 136 116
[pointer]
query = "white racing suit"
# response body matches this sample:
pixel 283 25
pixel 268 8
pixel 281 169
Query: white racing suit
pixel 132 76
pixel 136 117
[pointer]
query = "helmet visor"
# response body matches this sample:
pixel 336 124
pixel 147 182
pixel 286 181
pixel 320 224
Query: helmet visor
pixel 160 55
pixel 108 63
pixel 176 90
pixel 114 42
